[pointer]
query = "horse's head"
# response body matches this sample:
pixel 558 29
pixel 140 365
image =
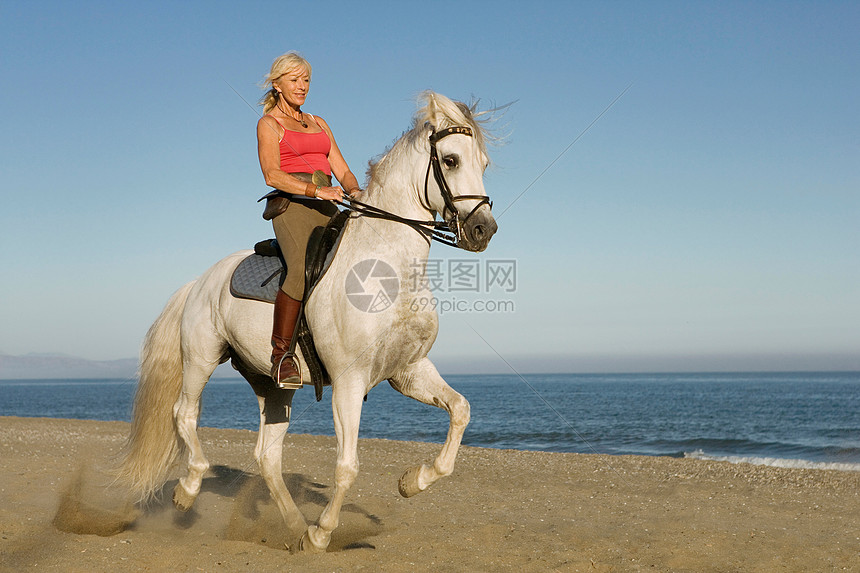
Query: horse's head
pixel 454 181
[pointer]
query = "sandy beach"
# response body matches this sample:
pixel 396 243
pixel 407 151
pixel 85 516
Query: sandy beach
pixel 501 510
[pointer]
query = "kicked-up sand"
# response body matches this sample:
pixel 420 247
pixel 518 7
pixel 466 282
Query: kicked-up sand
pixel 501 510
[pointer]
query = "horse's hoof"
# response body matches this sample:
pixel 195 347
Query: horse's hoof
pixel 182 500
pixel 408 484
pixel 307 546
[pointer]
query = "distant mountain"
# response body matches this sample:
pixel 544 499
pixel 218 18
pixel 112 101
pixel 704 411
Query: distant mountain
pixel 33 366
pixel 60 366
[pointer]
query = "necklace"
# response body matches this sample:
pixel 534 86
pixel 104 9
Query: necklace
pixel 301 118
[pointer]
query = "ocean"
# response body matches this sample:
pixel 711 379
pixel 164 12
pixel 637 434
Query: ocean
pixel 809 420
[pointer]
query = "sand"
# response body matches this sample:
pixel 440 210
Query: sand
pixel 501 510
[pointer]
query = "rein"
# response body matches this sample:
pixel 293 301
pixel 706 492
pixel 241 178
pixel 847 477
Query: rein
pixel 435 230
pixel 448 231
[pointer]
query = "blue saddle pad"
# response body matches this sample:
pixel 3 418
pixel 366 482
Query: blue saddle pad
pixel 258 278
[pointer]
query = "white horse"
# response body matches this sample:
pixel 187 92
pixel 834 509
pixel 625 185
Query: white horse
pixel 203 325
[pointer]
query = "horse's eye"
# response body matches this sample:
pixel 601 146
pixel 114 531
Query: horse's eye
pixel 451 161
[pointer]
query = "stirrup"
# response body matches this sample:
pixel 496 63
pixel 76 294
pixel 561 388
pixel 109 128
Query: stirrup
pixel 277 374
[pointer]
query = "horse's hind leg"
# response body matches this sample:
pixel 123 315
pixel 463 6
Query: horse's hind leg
pixel 275 407
pixel 422 382
pixel 186 412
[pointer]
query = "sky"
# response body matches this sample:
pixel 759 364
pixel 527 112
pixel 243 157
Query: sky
pixel 677 184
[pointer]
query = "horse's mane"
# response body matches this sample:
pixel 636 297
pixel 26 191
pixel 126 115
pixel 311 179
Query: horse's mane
pixel 440 112
pixel 452 113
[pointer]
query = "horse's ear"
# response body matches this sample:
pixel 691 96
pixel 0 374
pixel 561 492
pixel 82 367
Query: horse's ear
pixel 432 109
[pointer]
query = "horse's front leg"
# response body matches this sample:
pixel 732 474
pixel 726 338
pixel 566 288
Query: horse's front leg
pixel 422 382
pixel 347 398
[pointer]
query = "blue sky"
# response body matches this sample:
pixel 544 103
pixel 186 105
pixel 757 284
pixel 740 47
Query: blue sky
pixel 708 220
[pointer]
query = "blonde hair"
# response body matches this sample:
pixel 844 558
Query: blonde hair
pixel 282 65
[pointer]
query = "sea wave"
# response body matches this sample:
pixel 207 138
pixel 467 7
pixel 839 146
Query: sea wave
pixel 774 462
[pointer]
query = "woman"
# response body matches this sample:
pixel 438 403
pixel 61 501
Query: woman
pixel 292 146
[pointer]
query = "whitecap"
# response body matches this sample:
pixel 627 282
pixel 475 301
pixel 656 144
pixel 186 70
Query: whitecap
pixel 774 462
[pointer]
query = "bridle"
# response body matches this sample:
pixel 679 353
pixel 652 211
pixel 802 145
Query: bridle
pixel 445 190
pixel 449 231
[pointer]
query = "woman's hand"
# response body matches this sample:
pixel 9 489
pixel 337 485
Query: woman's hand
pixel 329 193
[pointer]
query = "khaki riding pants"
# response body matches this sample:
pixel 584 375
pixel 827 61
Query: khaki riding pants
pixel 293 228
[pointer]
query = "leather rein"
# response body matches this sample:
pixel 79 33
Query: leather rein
pixel 448 231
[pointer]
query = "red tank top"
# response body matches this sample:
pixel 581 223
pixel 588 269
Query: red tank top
pixel 304 152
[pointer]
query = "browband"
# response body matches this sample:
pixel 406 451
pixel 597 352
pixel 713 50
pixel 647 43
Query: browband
pixel 462 130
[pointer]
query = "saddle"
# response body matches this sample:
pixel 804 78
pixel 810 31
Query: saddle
pixel 260 275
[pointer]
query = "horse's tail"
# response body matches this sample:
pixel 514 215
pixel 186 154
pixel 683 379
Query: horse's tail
pixel 153 443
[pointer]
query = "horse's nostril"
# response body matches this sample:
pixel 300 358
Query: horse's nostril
pixel 478 232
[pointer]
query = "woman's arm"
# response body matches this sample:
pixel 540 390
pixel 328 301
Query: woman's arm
pixel 338 164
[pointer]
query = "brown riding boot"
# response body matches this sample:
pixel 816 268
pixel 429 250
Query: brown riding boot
pixel 284 371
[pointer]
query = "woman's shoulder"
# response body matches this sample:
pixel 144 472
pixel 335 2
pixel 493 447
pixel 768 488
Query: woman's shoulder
pixel 268 119
pixel 269 124
pixel 316 117
pixel 321 122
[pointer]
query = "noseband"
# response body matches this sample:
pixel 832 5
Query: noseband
pixel 455 223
